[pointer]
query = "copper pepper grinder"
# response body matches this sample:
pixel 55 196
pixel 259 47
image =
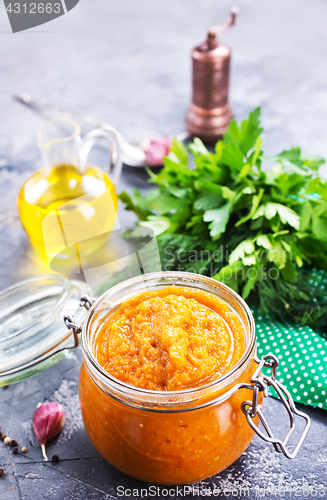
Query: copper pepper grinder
pixel 209 112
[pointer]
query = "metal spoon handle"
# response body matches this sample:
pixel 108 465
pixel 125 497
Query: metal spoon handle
pixel 131 155
pixel 38 103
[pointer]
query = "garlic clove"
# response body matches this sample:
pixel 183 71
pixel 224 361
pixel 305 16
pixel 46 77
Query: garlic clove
pixel 156 149
pixel 48 421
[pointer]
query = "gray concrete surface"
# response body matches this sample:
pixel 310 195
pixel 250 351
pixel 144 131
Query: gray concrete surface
pixel 128 63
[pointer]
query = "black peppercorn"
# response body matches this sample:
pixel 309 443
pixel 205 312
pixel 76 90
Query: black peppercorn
pixel 55 459
pixel 14 443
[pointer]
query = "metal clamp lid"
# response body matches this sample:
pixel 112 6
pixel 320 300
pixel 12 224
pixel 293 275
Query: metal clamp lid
pixel 251 408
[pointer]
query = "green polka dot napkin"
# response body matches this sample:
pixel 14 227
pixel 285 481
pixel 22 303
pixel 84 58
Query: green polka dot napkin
pixel 302 354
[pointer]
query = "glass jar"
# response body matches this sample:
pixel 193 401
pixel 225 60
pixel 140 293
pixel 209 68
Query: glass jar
pixel 176 437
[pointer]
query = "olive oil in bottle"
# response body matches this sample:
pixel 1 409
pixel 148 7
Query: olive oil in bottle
pixel 68 208
pixel 70 195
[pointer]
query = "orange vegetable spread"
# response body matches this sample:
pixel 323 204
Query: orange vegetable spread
pixel 170 339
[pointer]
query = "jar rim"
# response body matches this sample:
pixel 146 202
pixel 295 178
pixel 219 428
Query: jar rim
pixel 108 381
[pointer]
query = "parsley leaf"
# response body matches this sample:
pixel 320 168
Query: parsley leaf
pixel 245 135
pixel 219 218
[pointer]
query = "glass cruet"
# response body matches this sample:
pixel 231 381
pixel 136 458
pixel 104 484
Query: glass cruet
pixel 68 208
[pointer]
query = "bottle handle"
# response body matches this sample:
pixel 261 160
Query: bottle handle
pixel 115 163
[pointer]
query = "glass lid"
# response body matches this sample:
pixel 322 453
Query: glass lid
pixel 33 335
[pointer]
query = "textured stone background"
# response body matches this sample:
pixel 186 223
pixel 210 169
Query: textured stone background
pixel 128 63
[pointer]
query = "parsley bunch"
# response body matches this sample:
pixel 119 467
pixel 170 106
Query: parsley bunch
pixel 226 215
